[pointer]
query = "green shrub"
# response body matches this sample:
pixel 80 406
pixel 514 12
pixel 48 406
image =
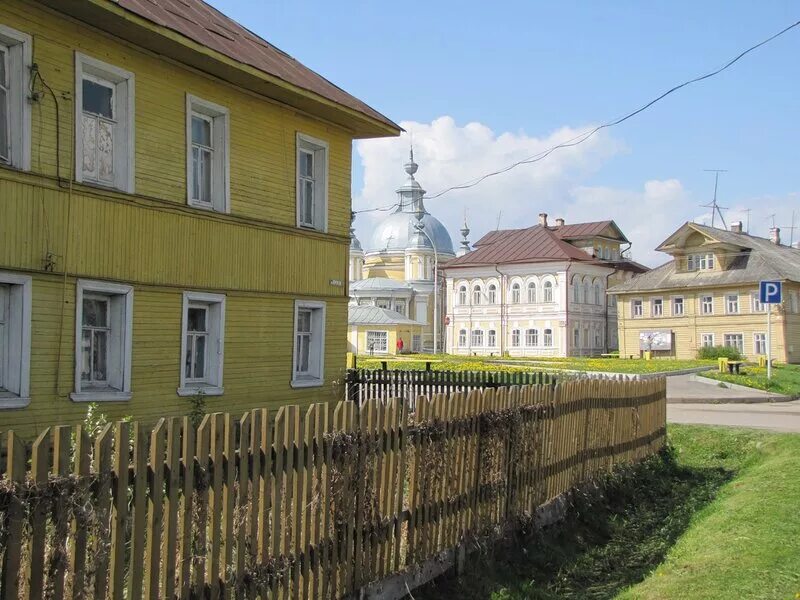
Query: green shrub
pixel 714 352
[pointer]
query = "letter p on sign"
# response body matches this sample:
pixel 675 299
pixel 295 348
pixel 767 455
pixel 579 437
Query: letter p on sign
pixel 770 292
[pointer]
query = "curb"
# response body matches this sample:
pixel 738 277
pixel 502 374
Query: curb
pixel 743 400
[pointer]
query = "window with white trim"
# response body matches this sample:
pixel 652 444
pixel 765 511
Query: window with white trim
pixel 476 295
pixel 677 306
pixel 548 291
pixel 400 307
pixel 207 157
pixel 15 340
pixel 757 305
pixel 462 295
pixel 707 305
pixel 657 307
pixel 597 294
pixel 576 292
pixel 378 342
pixel 462 338
pixel 700 262
pixel 491 338
pixel 759 343
pixel 103 341
pixel 515 294
pixel 707 340
pixel 515 338
pixel 312 183
pixel 576 338
pixel 735 340
pixel 492 294
pixel 202 344
pixel 636 308
pixel 548 338
pixel 531 292
pixel 104 136
pixel 532 337
pixel 309 344
pixel 15 111
pixel 477 337
pixel 732 304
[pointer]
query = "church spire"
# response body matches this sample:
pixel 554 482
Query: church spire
pixel 411 194
pixel 465 234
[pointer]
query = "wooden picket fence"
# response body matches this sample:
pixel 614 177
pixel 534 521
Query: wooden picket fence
pixel 302 504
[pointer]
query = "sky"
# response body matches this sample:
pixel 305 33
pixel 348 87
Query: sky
pixel 481 85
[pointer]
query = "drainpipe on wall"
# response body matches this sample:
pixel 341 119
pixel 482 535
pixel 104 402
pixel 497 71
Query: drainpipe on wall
pixel 605 344
pixel 502 305
pixel 567 331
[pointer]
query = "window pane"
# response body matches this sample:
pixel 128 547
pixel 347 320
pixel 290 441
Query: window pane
pixel 306 164
pixel 188 358
pixel 105 151
pixel 196 319
pixel 199 357
pixel 89 134
pixel 86 355
pixel 99 355
pixel 201 131
pixel 308 201
pixel 98 99
pixel 4 153
pixel 304 321
pixel 95 312
pixel 303 352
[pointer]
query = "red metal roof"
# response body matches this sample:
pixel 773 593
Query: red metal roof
pixel 534 244
pixel 205 25
pixel 580 230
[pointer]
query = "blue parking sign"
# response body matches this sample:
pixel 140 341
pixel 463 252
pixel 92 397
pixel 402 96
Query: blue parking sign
pixel 769 292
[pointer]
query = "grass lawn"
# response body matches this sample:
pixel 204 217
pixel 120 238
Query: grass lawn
pixel 785 378
pixel 476 363
pixel 716 518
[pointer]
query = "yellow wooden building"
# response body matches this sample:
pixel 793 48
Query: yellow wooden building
pixel 707 295
pixel 174 213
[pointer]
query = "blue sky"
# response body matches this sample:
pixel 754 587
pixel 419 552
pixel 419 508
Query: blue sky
pixel 528 69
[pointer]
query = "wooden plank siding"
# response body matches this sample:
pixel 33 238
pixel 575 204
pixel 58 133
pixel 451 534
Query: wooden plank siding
pixel 59 232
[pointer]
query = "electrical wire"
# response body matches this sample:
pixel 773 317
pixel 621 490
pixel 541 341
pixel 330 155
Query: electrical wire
pixel 581 138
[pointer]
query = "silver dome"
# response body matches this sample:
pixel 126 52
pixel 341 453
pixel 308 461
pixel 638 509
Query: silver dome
pixel 394 233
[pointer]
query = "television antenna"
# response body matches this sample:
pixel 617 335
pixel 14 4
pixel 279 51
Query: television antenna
pixel 716 209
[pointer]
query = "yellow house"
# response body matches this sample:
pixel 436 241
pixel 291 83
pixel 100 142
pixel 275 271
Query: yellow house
pixel 707 295
pixel 377 331
pixel 174 213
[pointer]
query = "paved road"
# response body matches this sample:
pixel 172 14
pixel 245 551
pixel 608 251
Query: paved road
pixel 693 388
pixel 779 416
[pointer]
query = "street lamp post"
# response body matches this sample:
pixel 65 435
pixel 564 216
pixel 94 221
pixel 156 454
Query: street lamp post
pixel 421 229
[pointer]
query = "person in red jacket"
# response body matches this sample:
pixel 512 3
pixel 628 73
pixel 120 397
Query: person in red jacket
pixel 400 345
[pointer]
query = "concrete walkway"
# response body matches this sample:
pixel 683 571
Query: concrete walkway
pixel 778 416
pixel 693 389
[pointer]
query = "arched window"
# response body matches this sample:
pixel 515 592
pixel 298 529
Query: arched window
pixel 515 293
pixel 462 295
pixel 576 292
pixel 491 338
pixel 476 294
pixel 586 297
pixel 462 338
pixel 515 338
pixel 548 338
pixel 532 337
pixel 597 296
pixel 477 337
pixel 548 291
pixel 531 292
pixel 492 294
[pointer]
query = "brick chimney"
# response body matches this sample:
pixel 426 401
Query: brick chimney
pixel 543 219
pixel 775 235
pixel 559 222
pixel 736 227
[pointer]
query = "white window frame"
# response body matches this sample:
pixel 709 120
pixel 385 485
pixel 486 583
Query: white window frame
pixel 219 116
pixel 759 339
pixel 740 335
pixel 124 133
pixel 637 302
pixel 756 305
pixel 122 304
pixel 316 376
pixel 320 150
pixel 492 293
pixel 462 295
pixel 401 306
pixel 547 292
pixel 20 59
pixel 462 338
pixel 657 302
pixel 703 305
pixel 735 298
pixel 515 338
pixel 531 293
pixel 17 363
pixel 491 338
pixel 477 293
pixel 212 383
pixel 532 337
pixel 476 338
pixel 384 334
pixel 682 304
pixel 515 293
pixel 703 344
pixel 548 338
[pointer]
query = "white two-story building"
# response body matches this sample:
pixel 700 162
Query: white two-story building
pixel 538 291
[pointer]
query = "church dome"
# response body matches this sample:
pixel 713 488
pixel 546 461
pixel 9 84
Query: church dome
pixel 395 232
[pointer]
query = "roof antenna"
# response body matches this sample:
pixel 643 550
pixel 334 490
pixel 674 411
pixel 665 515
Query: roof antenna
pixel 716 208
pixel 499 214
pixel 791 229
pixel 748 210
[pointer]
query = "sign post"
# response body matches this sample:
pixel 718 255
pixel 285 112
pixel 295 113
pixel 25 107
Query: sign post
pixel 769 293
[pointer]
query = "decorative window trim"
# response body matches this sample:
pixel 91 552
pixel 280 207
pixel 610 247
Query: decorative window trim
pixel 220 117
pixel 319 350
pixel 675 302
pixel 657 302
pixel 318 147
pixel 702 305
pixel 384 334
pixel 733 334
pixel 22 305
pixel 756 342
pixel 91 66
pixel 713 339
pixel 462 338
pixel 491 338
pixel 634 304
pixel 19 67
pixel 126 346
pixel 215 386
pixel 728 311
